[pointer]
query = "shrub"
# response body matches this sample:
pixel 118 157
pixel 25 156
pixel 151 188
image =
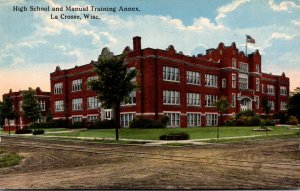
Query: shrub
pixel 106 124
pixel 38 132
pixel 23 131
pixel 244 118
pixel 245 113
pixel 61 123
pixel 282 117
pixel 292 120
pixel 230 122
pixel 175 136
pixel 78 125
pixel 148 123
pixel 267 122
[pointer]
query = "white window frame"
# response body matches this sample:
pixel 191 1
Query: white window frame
pixel 210 100
pixel 77 104
pixel 233 100
pixel 233 63
pixel 223 82
pixel 271 89
pixel 283 90
pixel 174 119
pixel 193 99
pixel 42 105
pixel 171 97
pixel 193 78
pixel 131 99
pixel 244 67
pixel 233 81
pixel 257 84
pixel 193 119
pixel 171 74
pixel 211 80
pixel 76 119
pixel 283 105
pixel 211 119
pixel 59 105
pixel 76 85
pixel 243 81
pixel 256 99
pixel 92 118
pixel 93 103
pixel 58 88
pixel 125 119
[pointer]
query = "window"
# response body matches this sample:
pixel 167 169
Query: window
pixel 58 88
pixel 257 84
pixel 76 85
pixel 192 77
pixel 20 106
pixel 243 81
pixel 283 90
pixel 43 105
pixel 77 119
pixel 244 67
pixel 107 114
pixel 193 99
pixel 77 104
pixel 126 118
pixel 174 119
pixel 233 81
pixel 256 100
pixel 210 100
pixel 92 118
pixel 91 78
pixel 223 83
pixel 211 119
pixel 170 74
pixel 272 104
pixel 233 62
pixel 41 120
pixel 233 100
pixel 257 68
pixel 211 80
pixel 93 103
pixel 171 97
pixel 271 90
pixel 193 119
pixel 283 105
pixel 59 105
pixel 263 88
pixel 131 99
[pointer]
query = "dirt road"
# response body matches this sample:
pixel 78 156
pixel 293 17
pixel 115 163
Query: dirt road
pixel 271 164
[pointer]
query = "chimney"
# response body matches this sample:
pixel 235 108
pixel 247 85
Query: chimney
pixel 136 43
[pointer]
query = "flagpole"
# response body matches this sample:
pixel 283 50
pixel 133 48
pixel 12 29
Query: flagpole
pixel 246 44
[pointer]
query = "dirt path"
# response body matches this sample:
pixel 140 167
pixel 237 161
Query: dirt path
pixel 250 165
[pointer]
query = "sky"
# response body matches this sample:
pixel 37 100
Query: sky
pixel 32 44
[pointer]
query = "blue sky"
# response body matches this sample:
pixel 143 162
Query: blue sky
pixel 32 45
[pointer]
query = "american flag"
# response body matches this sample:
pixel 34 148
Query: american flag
pixel 250 39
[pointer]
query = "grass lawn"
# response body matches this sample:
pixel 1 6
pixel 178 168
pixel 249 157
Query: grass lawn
pixel 194 132
pixel 9 159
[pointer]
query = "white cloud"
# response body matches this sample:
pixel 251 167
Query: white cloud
pixel 204 24
pixel 283 6
pixel 296 22
pixel 222 11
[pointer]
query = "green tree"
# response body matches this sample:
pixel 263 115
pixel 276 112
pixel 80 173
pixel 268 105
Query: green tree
pixel 222 106
pixel 294 106
pixel 30 105
pixel 266 107
pixel 114 84
pixel 7 111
